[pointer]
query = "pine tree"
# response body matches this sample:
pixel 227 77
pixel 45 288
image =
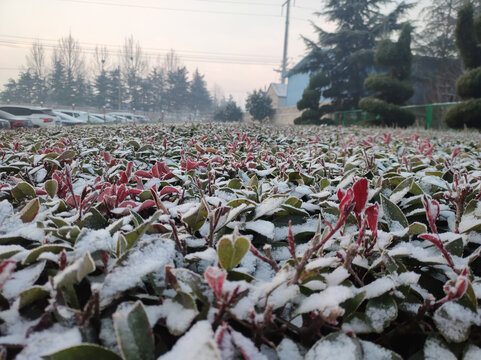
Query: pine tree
pixel 115 89
pixel 177 92
pixel 57 83
pixel 346 55
pixel 259 105
pixel 101 84
pixel 157 88
pixel 10 91
pixel 199 99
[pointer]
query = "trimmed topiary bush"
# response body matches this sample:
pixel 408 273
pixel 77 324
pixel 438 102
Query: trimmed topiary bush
pixel 394 88
pixel 468 86
pixel 309 102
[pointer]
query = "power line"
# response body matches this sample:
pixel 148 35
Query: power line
pixel 119 47
pixel 169 8
pixel 186 58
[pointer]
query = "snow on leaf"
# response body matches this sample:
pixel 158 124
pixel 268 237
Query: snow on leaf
pixel 337 346
pixel 326 301
pixel 196 344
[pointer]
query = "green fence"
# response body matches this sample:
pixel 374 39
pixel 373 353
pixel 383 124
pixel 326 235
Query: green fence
pixel 429 116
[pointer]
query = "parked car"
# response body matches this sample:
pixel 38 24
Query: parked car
pixel 142 119
pixel 67 120
pixel 4 124
pixel 127 117
pixel 40 117
pixel 94 119
pixel 15 121
pixel 82 115
pixel 106 118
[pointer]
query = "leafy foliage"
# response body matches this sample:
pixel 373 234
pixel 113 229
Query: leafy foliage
pixel 239 242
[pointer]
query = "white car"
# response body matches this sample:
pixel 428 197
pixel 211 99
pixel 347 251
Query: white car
pixel 106 118
pixel 126 117
pixel 68 120
pixel 40 117
pixel 81 115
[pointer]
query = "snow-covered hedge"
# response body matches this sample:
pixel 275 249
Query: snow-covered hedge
pixel 239 242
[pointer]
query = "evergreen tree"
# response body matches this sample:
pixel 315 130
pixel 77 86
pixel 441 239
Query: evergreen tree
pixel 259 105
pixel 177 92
pixel 346 55
pixel 24 88
pixel 101 84
pixel 156 89
pixel 115 89
pixel 57 83
pixel 228 112
pixel 10 91
pixel 394 88
pixel 199 99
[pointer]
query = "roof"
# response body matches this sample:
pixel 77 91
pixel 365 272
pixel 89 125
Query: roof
pixel 279 89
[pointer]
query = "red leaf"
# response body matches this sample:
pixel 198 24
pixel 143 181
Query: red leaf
pixel 347 202
pixel 6 269
pixel 432 212
pixel 168 190
pixel 143 174
pixel 372 213
pixel 455 152
pixel 128 171
pixel 361 192
pixel 147 204
pixel 124 179
pixel 436 241
pixel 340 194
pixel 40 192
pixel 215 277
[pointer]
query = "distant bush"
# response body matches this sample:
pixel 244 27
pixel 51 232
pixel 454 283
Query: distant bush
pixel 259 105
pixel 229 112
pixel 393 89
pixel 468 86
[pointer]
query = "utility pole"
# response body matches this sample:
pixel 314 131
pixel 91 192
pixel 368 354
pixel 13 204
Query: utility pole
pixel 286 35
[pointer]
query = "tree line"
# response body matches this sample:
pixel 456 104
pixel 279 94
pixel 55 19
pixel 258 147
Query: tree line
pixel 128 83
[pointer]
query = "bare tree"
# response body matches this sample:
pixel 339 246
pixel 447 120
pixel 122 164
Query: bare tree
pixel 171 62
pixel 101 58
pixel 70 53
pixel 36 60
pixel 134 67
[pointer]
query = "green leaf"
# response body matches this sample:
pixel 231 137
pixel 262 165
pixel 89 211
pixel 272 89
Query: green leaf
pixel 230 252
pixel 470 220
pixel 66 155
pixel 132 236
pixel 381 311
pixel 456 247
pixel 253 182
pixel 75 272
pixel 30 211
pixel 401 190
pixel 233 275
pixel 53 248
pixel 196 217
pixel 326 348
pixel 31 295
pixel 451 321
pixel 95 220
pixel 369 348
pixel 393 214
pixel 352 304
pixel 83 352
pixel 23 190
pixel 134 334
pixel 417 228
pixel 134 144
pixel 235 184
pixel 51 187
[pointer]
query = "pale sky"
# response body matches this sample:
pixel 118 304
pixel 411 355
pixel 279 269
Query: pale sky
pixel 236 44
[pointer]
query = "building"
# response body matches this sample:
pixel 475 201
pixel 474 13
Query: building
pixel 277 92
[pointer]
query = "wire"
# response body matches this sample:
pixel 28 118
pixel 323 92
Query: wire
pixel 186 58
pixel 119 47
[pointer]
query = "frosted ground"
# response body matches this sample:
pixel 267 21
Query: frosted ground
pixel 239 242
